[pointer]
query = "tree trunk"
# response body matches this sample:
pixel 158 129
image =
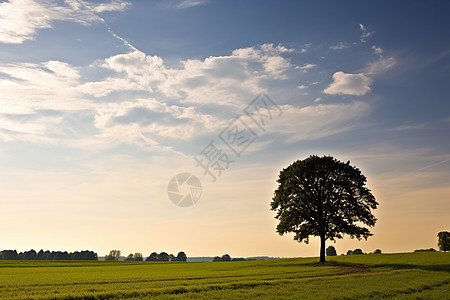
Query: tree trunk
pixel 322 248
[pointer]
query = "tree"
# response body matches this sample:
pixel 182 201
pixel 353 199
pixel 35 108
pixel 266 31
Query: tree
pixel 444 241
pixel 138 257
pixel 59 255
pixel 226 257
pixel 425 250
pixel 47 255
pixel 113 255
pixel 130 257
pixel 153 257
pixel 378 251
pixel 357 251
pixel 163 256
pixel 349 252
pixel 88 255
pixel 40 255
pixel 324 197
pixel 8 255
pixel 29 255
pixel 331 251
pixel 238 259
pixel 181 256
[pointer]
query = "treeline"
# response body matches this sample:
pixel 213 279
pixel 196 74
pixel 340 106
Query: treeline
pixel 47 255
pixel 163 256
pixel 226 257
pixel 331 251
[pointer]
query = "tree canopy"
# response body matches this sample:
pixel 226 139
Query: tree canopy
pixel 324 197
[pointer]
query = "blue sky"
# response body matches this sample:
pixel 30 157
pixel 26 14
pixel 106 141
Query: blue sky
pixel 102 103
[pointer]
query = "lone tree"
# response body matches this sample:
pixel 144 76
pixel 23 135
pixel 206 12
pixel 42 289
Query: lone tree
pixel 444 241
pixel 321 196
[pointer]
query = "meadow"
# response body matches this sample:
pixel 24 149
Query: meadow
pixel 370 276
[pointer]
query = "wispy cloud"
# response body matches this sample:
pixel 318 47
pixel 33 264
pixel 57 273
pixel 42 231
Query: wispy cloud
pixel 21 19
pixel 365 33
pixel 381 64
pixel 339 46
pixel 318 120
pixel 190 3
pixel 306 66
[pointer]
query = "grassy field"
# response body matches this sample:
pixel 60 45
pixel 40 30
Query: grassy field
pixel 371 276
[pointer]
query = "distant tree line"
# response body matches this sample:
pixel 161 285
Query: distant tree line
pixel 47 255
pixel 425 250
pixel 331 251
pixel 227 257
pixel 163 256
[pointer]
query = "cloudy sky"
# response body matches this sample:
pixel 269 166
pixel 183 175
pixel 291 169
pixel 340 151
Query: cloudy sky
pixel 102 103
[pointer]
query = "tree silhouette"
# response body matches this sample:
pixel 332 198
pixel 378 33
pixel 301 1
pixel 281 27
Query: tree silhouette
pixel 357 251
pixel 226 257
pixel 444 241
pixel 163 256
pixel 153 257
pixel 130 257
pixel 321 196
pixel 181 256
pixel 113 255
pixel 331 251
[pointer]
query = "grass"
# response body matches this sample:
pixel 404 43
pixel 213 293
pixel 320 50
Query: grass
pixel 371 276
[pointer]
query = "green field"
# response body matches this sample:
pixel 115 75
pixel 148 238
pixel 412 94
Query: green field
pixel 371 276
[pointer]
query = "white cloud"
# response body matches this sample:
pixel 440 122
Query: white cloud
pixel 114 5
pixel 302 87
pixel 21 19
pixel 190 3
pixel 377 50
pixel 149 117
pixel 305 48
pixel 50 85
pixel 270 49
pixel 222 80
pixel 339 46
pixel 365 33
pixel 225 81
pixel 348 84
pixel 146 117
pixel 276 65
pixel 306 66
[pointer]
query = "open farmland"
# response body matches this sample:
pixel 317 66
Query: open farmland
pixel 372 276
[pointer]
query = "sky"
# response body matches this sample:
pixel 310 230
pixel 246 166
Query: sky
pixel 104 103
